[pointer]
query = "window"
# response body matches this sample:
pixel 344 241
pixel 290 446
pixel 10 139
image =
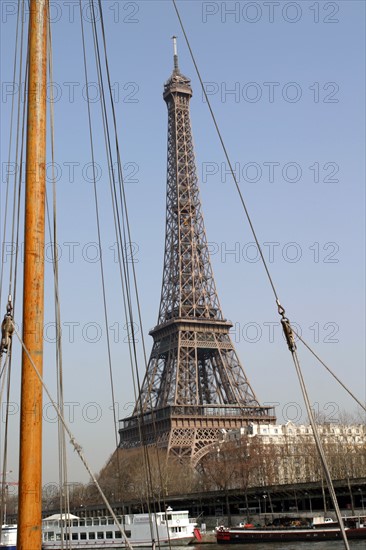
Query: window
pixel 103 521
pixel 91 536
pixel 100 535
pixel 109 535
pixel 75 536
pixel 110 521
pixel 117 535
pixel 82 536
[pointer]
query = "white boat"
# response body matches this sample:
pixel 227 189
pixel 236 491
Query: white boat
pixel 8 537
pixel 143 530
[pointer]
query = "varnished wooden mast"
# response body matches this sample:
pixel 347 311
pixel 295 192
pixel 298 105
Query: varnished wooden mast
pixel 30 462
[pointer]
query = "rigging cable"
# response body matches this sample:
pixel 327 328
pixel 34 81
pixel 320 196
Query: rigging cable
pixel 234 177
pixel 4 346
pixel 73 440
pixel 122 242
pixel 9 156
pixel 96 204
pixel 122 248
pixel 95 190
pixel 125 286
pixel 22 154
pixel 96 201
pixel 64 497
pixel 362 405
pixel 16 157
pixel 116 217
pixel 5 451
pixel 226 154
pixel 285 322
pixel 292 347
pixel 110 172
pixel 122 187
pixel 123 198
pixel 6 332
pixel 138 399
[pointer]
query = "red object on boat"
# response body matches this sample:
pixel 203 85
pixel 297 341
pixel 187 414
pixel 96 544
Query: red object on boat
pixel 197 534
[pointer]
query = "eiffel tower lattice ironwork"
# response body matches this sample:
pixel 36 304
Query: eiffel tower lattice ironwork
pixel 194 386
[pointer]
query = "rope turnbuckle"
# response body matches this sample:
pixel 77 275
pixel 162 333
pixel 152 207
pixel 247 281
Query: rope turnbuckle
pixel 287 329
pixel 7 329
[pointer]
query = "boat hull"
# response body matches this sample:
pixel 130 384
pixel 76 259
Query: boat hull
pixel 169 528
pixel 246 536
pixel 116 545
pixel 8 537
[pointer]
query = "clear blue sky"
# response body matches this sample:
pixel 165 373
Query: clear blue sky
pixel 287 84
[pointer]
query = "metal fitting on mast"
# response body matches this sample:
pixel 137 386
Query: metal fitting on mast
pixel 287 329
pixel 7 328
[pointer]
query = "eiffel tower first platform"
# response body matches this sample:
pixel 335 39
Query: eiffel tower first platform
pixel 194 387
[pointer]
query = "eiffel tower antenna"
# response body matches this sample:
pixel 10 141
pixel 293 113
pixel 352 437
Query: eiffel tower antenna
pixel 195 386
pixel 176 67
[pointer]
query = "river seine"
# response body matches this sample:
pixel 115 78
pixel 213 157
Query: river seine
pixel 332 545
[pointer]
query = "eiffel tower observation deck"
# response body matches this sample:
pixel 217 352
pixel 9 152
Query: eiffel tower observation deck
pixel 194 387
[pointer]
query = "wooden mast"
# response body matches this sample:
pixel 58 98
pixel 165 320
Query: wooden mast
pixel 30 460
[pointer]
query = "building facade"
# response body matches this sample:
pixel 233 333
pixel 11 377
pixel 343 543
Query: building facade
pixel 286 453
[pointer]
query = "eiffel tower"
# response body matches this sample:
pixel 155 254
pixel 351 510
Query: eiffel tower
pixel 195 387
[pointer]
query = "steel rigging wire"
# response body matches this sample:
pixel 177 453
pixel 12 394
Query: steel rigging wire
pixel 241 195
pixel 57 407
pixel 124 241
pixel 285 322
pixel 5 347
pixel 64 495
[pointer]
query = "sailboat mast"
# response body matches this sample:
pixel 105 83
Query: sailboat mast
pixel 30 460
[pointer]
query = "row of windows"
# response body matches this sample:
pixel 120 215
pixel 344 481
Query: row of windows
pixel 300 431
pixel 83 522
pixel 94 521
pixel 99 535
